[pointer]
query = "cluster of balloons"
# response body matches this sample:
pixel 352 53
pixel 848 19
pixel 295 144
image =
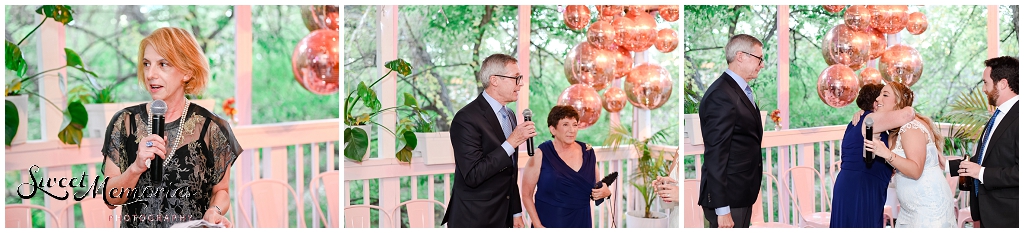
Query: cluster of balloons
pixel 848 47
pixel 315 61
pixel 592 65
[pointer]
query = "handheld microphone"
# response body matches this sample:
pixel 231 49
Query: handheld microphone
pixel 528 116
pixel 607 180
pixel 158 108
pixel 869 128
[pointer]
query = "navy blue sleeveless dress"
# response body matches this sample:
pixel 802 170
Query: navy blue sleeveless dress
pixel 859 192
pixel 563 195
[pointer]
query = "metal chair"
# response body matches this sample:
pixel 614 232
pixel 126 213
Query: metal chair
pixel 358 216
pixel 95 213
pixel 270 206
pixel 20 215
pixel 693 215
pixel 808 218
pixel 421 213
pixel 757 213
pixel 330 184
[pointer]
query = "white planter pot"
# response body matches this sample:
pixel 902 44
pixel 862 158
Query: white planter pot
pixel 691 127
pixel 435 148
pixel 100 115
pixel 368 135
pixel 21 102
pixel 633 220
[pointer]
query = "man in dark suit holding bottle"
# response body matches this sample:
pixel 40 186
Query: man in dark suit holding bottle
pixel 995 167
pixel 732 130
pixel 485 136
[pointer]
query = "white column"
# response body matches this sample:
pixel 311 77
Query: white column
pixel 387 50
pixel 783 61
pixel 51 55
pixel 523 56
pixel 243 63
pixel 992 35
pixel 243 94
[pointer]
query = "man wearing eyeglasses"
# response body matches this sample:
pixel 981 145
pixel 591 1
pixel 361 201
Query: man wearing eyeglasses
pixel 731 126
pixel 485 135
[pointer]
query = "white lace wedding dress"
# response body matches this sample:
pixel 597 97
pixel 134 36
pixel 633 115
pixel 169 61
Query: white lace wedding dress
pixel 927 201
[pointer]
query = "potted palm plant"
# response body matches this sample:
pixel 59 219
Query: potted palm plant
pixel 356 135
pixel 16 96
pixel 968 118
pixel 650 166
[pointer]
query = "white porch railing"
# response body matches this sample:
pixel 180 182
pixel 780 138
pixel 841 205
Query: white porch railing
pixel 385 180
pixel 271 151
pixel 818 147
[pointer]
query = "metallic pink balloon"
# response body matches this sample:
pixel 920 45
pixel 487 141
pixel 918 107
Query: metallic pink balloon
pixel 623 62
pixel 576 16
pixel 667 40
pixel 834 8
pixel 614 99
pixel 590 65
pixel 625 28
pixel 585 100
pixel 602 35
pixel 610 10
pixel 634 10
pixel 878 43
pixel 648 86
pixel 844 45
pixel 643 35
pixel 858 17
pixel 917 23
pixel 870 75
pixel 669 13
pixel 838 86
pixel 889 19
pixel 315 62
pixel 901 63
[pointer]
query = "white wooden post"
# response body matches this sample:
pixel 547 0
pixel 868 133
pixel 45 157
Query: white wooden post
pixel 51 46
pixel 523 56
pixel 782 43
pixel 992 35
pixel 243 97
pixel 387 50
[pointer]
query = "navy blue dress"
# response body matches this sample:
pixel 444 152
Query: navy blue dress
pixel 859 192
pixel 563 195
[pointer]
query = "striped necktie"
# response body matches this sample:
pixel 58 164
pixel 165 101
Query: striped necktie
pixel 506 121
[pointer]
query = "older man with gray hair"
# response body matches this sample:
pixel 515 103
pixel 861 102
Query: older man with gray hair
pixel 485 135
pixel 732 130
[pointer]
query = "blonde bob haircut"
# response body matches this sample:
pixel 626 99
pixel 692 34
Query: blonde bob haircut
pixel 180 48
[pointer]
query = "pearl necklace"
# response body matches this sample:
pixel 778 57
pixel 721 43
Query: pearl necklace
pixel 181 125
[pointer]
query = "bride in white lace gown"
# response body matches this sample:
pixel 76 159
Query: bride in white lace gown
pixel 921 187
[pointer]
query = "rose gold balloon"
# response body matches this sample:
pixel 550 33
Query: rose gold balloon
pixel 648 86
pixel 590 65
pixel 846 46
pixel 888 19
pixel 623 62
pixel 610 10
pixel 642 37
pixel 625 28
pixel 669 13
pixel 667 40
pixel 602 35
pixel 878 43
pixel 838 86
pixel 834 8
pixel 870 76
pixel 917 24
pixel 576 16
pixel 585 100
pixel 858 17
pixel 856 67
pixel 901 63
pixel 315 62
pixel 634 10
pixel 613 99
